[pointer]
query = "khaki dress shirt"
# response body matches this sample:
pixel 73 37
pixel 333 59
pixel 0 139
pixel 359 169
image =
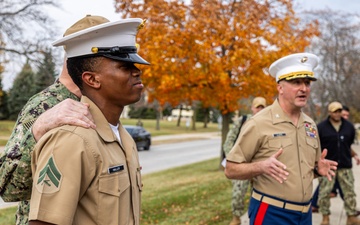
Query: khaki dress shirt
pixel 86 176
pixel 263 135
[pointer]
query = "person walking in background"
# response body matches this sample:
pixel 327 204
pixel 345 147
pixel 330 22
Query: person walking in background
pixel 337 135
pixel 345 113
pixel 279 149
pixel 240 187
pixel 55 106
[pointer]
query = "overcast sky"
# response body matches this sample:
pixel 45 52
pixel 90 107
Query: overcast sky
pixel 73 10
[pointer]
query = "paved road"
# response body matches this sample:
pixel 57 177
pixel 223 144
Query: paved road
pixel 165 156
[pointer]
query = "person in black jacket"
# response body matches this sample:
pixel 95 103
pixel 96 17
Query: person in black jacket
pixel 337 135
pixel 345 113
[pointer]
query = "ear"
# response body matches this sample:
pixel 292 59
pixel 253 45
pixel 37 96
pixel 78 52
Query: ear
pixel 280 88
pixel 91 79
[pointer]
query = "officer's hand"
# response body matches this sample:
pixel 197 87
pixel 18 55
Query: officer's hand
pixel 68 112
pixel 275 168
pixel 326 167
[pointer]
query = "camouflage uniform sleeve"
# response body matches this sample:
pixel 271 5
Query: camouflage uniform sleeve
pixel 231 136
pixel 15 161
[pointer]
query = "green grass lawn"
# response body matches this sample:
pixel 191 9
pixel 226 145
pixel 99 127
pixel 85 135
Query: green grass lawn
pixel 7 216
pixel 6 128
pixel 196 194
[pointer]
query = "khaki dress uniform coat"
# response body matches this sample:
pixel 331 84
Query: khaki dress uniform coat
pixel 86 176
pixel 263 135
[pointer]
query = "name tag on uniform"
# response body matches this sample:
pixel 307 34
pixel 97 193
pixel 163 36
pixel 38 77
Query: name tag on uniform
pixel 279 135
pixel 115 169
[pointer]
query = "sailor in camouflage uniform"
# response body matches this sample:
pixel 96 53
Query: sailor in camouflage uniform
pixel 240 187
pixel 15 161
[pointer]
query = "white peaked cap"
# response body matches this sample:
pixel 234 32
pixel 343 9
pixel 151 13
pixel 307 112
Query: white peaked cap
pixel 115 40
pixel 299 65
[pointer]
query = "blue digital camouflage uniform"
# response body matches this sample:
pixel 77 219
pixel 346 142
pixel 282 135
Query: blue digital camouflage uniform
pixel 15 161
pixel 239 187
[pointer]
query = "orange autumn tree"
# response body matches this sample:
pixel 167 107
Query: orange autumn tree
pixel 215 52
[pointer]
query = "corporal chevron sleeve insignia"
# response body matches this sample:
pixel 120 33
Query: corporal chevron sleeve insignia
pixel 49 178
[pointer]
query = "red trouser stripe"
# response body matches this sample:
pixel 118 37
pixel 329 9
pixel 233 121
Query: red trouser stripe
pixel 261 214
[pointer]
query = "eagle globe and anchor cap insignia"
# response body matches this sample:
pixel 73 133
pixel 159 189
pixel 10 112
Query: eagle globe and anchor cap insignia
pixel 49 179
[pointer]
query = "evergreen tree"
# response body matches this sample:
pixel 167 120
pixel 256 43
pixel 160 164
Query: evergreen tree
pixel 46 72
pixel 23 88
pixel 3 99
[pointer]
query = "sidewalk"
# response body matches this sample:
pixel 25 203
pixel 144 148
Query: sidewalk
pixel 338 215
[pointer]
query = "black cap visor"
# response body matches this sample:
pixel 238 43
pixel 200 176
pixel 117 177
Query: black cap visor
pixel 127 57
pixel 125 54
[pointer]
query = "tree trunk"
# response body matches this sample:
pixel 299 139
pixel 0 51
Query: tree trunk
pixel 158 116
pixel 193 127
pixel 179 118
pixel 206 117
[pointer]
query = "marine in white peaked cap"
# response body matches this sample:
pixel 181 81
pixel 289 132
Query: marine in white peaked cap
pixel 59 99
pixel 93 176
pixel 279 149
pixel 114 40
pixel 299 65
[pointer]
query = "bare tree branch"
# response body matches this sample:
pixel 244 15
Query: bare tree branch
pixel 25 27
pixel 338 48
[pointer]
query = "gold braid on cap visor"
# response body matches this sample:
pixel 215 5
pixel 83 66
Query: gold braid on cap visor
pixel 116 50
pixel 295 75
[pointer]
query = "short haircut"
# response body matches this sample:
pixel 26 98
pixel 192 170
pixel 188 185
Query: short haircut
pixel 344 107
pixel 78 65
